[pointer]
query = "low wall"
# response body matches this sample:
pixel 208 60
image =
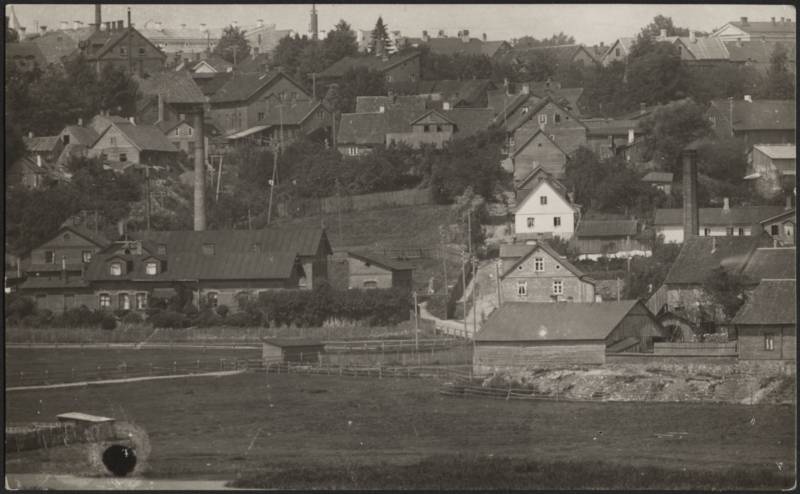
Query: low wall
pixel 696 349
pixel 48 435
pixel 650 358
pixel 440 356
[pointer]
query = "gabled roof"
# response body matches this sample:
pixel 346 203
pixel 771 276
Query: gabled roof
pixel 469 121
pixel 763 27
pixel 25 50
pixel 778 151
pixel 525 321
pixel 293 113
pixel 538 171
pixel 144 137
pixel 557 186
pixel 209 84
pixel 243 86
pixel 758 51
pixel 85 136
pixel 371 128
pixel 744 215
pixel 373 104
pixel 382 261
pixel 371 62
pixel 609 126
pixel 456 91
pixel 515 250
pixel 771 263
pixel 110 38
pixel 790 213
pixel 42 144
pixel 625 44
pixel 699 256
pixel 292 342
pixel 607 228
pixel 658 177
pixel 529 139
pixel 561 53
pixel 704 48
pixel 453 45
pixel 174 87
pixel 253 63
pixel 772 302
pixel 759 114
pixel 216 62
pixel 549 251
pixel 440 114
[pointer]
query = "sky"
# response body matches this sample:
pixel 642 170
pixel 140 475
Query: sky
pixel 588 23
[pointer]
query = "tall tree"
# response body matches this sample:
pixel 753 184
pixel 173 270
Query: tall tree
pixel 380 32
pixel 12 36
pixel 655 75
pixel 288 52
pixel 232 45
pixel 670 128
pixel 662 22
pixel 360 81
pixel 340 43
pixel 780 82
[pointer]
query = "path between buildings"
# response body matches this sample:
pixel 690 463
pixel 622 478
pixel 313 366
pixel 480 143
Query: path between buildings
pixel 72 482
pixel 125 380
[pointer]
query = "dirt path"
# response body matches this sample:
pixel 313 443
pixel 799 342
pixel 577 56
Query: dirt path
pixel 126 380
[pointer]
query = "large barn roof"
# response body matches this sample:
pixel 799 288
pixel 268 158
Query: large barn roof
pixel 772 302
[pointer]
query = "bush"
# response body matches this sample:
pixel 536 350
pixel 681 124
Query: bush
pixel 19 307
pixel 168 319
pixel 108 322
pixel 242 319
pixel 223 310
pixel 206 317
pixel 133 318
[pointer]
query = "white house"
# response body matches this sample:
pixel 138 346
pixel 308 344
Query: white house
pixel 544 210
pixel 714 222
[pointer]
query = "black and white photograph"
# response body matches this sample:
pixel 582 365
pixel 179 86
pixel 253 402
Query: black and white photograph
pixel 308 246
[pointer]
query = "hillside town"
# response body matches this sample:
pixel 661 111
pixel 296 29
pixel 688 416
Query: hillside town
pixel 535 207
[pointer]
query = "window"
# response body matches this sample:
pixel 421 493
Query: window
pixel 438 128
pixel 557 221
pixel 729 231
pixel 616 52
pixel 530 222
pixel 680 50
pixel 115 269
pixel 86 256
pixel 190 148
pixel 151 268
pixel 141 301
pixel 769 342
pixel 706 231
pixel 427 128
pixel 388 77
pixel 543 200
pixel 208 249
pixel 161 249
pixel 121 50
pixel 538 264
pixel 522 288
pixel 774 230
pixel 141 52
pixel 50 256
pixel 65 139
pixel 112 140
pixel 260 116
pixel 558 287
pixel 213 299
pixel 123 157
pixel 788 229
pixel 124 301
pixel 556 117
pixel 105 301
pixel 741 232
pixel 713 121
pixel 543 119
pixel 370 284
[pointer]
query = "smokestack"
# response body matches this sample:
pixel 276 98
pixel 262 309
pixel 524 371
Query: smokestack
pixel 691 217
pixel 199 172
pixel 129 17
pixel 663 34
pixel 726 204
pixel 744 21
pixel 98 18
pixel 80 122
pixel 692 37
pixel 39 160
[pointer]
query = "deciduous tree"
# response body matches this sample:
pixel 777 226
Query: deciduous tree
pixel 232 45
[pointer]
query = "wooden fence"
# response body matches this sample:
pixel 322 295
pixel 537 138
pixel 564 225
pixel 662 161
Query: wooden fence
pixel 727 349
pixel 364 202
pixel 373 371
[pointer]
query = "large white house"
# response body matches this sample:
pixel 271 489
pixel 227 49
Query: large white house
pixel 544 209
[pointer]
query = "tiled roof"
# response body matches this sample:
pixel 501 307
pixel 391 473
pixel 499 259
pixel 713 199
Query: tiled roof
pixel 765 27
pixel 373 104
pixel 34 282
pixel 146 137
pixel 371 62
pixel 607 228
pixel 453 90
pixel 543 245
pixel 215 62
pixel 257 63
pixel 745 215
pixel 772 302
pixel 174 87
pixel 378 260
pixel 524 143
pixel 760 114
pixel 371 128
pixel 41 144
pixel 55 46
pixel 525 321
pixel 515 250
pixel 523 184
pixel 658 177
pixel 453 45
pixel 609 126
pixel 294 113
pixel 209 84
pixel 561 53
pixel 302 241
pixel 96 238
pixel 758 51
pixel 557 186
pixel 469 121
pixel 292 342
pixel 242 86
pixel 699 256
pixel 786 213
pixel 705 48
pixel 85 136
pixel 771 263
pixel 778 151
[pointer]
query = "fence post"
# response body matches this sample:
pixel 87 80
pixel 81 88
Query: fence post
pixel 174 367
pixel 98 371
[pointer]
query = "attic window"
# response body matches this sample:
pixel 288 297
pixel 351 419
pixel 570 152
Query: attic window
pixel 208 249
pixel 122 50
pixel 141 51
pixel 556 117
pixel 151 268
pixel 67 236
pixel 538 264
pixel 115 269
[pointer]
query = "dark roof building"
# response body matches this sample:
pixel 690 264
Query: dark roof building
pixel 744 215
pixel 771 263
pixel 766 325
pixel 699 256
pixel 25 55
pixel 370 62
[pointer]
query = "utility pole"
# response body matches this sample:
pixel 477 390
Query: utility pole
pixel 147 193
pixel 464 260
pixel 442 234
pixel 314 86
pixel 497 267
pixel 416 324
pixel 474 297
pixel 469 230
pixel 272 182
pixel 339 206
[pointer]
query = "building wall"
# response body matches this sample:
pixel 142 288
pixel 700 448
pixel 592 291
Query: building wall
pixel 609 245
pixel 114 144
pixel 787 231
pixel 360 272
pixel 752 342
pixel 58 300
pixel 543 215
pixel 539 152
pixel 271 353
pixel 615 54
pixel 146 59
pixel 417 139
pixel 65 244
pixel 674 234
pixel 408 71
pixel 568 133
pixel 636 324
pixel 403 279
pixel 767 136
pixel 540 284
pixel 496 356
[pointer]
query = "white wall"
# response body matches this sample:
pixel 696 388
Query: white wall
pixel 674 234
pixel 543 214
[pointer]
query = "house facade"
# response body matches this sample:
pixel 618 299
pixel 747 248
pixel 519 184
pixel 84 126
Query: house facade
pixel 542 275
pixel 618 52
pixel 558 123
pixel 369 271
pixel 123 143
pixel 782 227
pixel 123 48
pixel 754 121
pixel 659 180
pixel 538 151
pixel 766 325
pixel 746 30
pixel 544 211
pixel 609 238
pixel 714 222
pixel 772 168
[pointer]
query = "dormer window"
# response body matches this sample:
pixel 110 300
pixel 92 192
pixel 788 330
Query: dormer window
pixel 208 249
pixel 151 268
pixel 115 269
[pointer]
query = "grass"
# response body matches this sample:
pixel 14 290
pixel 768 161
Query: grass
pixel 277 431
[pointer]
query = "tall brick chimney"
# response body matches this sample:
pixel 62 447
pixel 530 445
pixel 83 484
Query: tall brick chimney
pixel 691 215
pixel 98 18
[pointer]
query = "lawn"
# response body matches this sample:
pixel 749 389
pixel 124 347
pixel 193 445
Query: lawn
pixel 274 430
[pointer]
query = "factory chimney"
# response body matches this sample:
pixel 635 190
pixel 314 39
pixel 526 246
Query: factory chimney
pixel 691 219
pixel 313 26
pixel 98 18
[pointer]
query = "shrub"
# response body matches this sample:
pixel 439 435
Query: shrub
pixel 223 310
pixel 242 319
pixel 133 318
pixel 19 307
pixel 168 319
pixel 206 317
pixel 108 322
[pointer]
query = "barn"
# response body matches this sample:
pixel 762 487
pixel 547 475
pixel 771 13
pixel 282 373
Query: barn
pixel 524 334
pixel 766 325
pixel 294 350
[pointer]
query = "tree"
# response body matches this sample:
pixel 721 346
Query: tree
pixel 12 36
pixel 583 173
pixel 780 82
pixel 473 161
pixel 660 22
pixel 340 43
pixel 670 128
pixel 232 45
pixel 554 40
pixel 310 61
pixel 360 81
pixel 287 53
pixel 648 273
pixel 726 290
pixel 655 74
pixel 380 32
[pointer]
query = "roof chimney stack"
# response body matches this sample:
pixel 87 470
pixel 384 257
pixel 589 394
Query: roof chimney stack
pixel 788 202
pixel 662 35
pixel 129 17
pixel 484 37
pixel 726 204
pixel 692 37
pixel 465 36
pixel 98 18
pixel 744 21
pixel 64 25
pixel 748 98
pixel 691 219
pixel 425 37
pixel 773 20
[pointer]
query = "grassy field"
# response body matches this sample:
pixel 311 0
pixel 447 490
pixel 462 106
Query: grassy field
pixel 274 431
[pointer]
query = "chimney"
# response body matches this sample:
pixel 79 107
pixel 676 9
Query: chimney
pixel 692 37
pixel 713 244
pixel 726 204
pixel 133 120
pixel 483 36
pixel 631 135
pixel 446 106
pixel 260 23
pixel 43 29
pixel 107 26
pixel 76 24
pixel 663 34
pixel 773 20
pixel 739 42
pixel 64 268
pixel 129 17
pixel 691 220
pixel 30 135
pixel 465 36
pixel 121 228
pixel 748 98
pixel 159 26
pixel 64 25
pixel 97 16
pixel 441 33
pixel 120 25
pixel 425 37
pixel 80 122
pixel 744 21
pixel 382 109
pixel 526 88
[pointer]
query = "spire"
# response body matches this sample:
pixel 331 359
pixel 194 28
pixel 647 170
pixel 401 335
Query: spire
pixel 313 25
pixel 14 21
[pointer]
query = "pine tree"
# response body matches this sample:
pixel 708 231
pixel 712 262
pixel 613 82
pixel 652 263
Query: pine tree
pixel 779 83
pixel 381 32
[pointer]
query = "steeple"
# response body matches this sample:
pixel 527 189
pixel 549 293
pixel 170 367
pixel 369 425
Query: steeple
pixel 15 25
pixel 313 26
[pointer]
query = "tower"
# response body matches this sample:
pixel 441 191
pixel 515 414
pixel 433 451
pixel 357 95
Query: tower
pixel 313 26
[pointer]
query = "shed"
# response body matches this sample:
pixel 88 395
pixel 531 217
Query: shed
pixel 522 334
pixel 766 325
pixel 279 350
pixel 369 270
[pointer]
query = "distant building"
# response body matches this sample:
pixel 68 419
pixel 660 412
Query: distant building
pixel 544 210
pixel 714 222
pixel 367 270
pixel 618 51
pixel 757 53
pixel 538 151
pixel 772 167
pixel 747 30
pixel 523 335
pixel 766 325
pixel 782 227
pixel 25 56
pixel 462 44
pixel 754 121
pixel 123 48
pixel 609 238
pixel 181 44
pixel 127 143
pixel 561 55
pixel 660 180
pixel 291 350
pixel 263 38
pixel 397 68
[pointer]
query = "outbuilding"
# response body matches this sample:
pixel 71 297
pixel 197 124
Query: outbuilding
pixel 294 350
pixel 520 334
pixel 367 270
pixel 766 325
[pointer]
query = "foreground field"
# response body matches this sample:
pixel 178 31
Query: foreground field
pixel 273 430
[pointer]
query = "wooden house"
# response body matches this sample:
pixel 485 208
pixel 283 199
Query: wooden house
pixel 714 222
pixel 766 325
pixel 542 275
pixel 122 48
pixel 782 227
pixel 618 51
pixel 368 271
pixel 126 142
pixel 660 180
pixel 561 125
pixel 608 238
pixel 524 335
pixel 754 121
pixel 772 168
pixel 538 151
pixel 289 350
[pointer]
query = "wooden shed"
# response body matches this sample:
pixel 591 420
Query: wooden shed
pixel 278 350
pixel 368 270
pixel 766 325
pixel 523 334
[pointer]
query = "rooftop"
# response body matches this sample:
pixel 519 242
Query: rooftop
pixel 607 228
pixel 382 261
pixel 759 114
pixel 371 62
pixel 174 87
pixel 658 177
pixel 778 151
pixel 771 263
pixel 772 302
pixel 699 256
pixel 742 215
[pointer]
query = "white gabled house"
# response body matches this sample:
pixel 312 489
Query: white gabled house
pixel 544 209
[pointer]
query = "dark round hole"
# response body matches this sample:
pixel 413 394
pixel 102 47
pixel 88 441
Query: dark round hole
pixel 120 460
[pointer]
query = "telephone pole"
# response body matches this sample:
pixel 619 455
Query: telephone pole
pixel 442 234
pixel 474 297
pixel 497 269
pixel 464 260
pixel 147 193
